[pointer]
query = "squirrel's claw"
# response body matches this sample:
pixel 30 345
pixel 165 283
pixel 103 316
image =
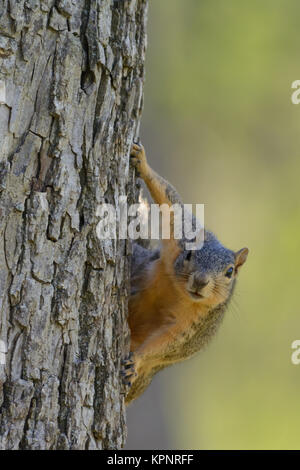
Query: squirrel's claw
pixel 128 371
pixel 136 147
pixel 128 359
pixel 138 157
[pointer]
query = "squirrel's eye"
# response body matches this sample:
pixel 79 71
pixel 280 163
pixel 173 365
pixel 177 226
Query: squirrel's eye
pixel 229 272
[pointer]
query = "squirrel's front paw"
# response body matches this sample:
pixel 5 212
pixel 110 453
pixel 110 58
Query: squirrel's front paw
pixel 128 371
pixel 138 158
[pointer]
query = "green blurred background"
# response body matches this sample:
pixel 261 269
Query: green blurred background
pixel 220 125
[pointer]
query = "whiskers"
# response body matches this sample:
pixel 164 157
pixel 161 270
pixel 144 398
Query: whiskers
pixel 183 275
pixel 234 309
pixel 225 291
pixel 221 289
pixel 181 278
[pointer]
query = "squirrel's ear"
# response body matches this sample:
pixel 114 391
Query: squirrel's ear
pixel 240 258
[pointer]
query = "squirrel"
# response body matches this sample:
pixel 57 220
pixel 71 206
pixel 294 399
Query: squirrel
pixel 178 296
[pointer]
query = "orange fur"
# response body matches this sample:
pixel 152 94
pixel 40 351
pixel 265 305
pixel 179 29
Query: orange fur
pixel 160 312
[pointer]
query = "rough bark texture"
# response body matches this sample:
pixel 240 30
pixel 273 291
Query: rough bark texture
pixel 73 75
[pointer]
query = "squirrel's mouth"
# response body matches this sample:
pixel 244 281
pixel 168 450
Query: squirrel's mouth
pixel 195 295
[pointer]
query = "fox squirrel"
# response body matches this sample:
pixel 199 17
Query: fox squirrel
pixel 178 297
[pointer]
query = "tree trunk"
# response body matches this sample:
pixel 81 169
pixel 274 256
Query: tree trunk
pixel 71 86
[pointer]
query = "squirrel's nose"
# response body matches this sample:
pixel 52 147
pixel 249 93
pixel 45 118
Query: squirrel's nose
pixel 200 281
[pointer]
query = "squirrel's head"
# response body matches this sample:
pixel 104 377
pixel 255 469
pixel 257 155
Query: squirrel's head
pixel 208 275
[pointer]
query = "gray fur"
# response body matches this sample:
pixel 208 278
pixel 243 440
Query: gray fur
pixel 212 258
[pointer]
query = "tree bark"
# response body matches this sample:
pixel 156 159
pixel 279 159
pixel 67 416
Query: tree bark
pixel 71 87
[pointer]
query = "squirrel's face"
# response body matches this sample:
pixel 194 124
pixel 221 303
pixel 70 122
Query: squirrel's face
pixel 208 275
